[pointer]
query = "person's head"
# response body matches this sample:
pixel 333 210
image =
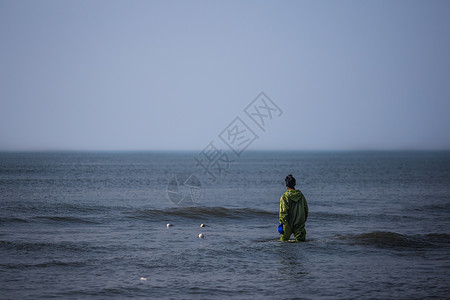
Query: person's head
pixel 290 181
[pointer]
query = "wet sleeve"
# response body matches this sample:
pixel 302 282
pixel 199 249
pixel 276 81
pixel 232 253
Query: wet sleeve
pixel 284 208
pixel 306 209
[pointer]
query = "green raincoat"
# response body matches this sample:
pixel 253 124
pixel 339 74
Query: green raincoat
pixel 293 215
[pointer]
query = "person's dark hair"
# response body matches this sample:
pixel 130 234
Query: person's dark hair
pixel 290 181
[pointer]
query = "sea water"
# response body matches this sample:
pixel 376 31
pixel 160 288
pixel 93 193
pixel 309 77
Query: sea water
pixel 94 225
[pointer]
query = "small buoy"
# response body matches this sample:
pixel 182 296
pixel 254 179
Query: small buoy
pixel 200 236
pixel 168 225
pixel 143 278
pixel 202 225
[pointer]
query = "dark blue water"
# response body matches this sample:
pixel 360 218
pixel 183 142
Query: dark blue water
pixel 93 225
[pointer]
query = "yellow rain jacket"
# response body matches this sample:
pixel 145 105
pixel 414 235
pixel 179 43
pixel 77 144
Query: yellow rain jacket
pixel 293 215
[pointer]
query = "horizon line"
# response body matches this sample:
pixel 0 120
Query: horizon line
pixel 227 150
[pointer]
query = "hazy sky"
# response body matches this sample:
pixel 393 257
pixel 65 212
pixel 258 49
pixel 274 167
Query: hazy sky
pixel 143 75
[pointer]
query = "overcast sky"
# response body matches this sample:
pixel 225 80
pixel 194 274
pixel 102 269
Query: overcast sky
pixel 160 75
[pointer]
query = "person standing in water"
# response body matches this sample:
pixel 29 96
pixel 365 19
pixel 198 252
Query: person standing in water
pixel 293 212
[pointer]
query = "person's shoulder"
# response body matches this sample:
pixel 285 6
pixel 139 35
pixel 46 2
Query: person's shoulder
pixel 300 193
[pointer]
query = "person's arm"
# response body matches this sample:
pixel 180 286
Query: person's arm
pixel 306 209
pixel 284 208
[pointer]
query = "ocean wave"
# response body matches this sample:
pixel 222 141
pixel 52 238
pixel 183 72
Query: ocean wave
pixel 203 213
pixel 336 216
pixel 53 263
pixel 61 219
pixel 42 246
pixel 12 220
pixel 53 219
pixel 392 240
pixel 322 216
pixel 438 207
pixel 57 208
